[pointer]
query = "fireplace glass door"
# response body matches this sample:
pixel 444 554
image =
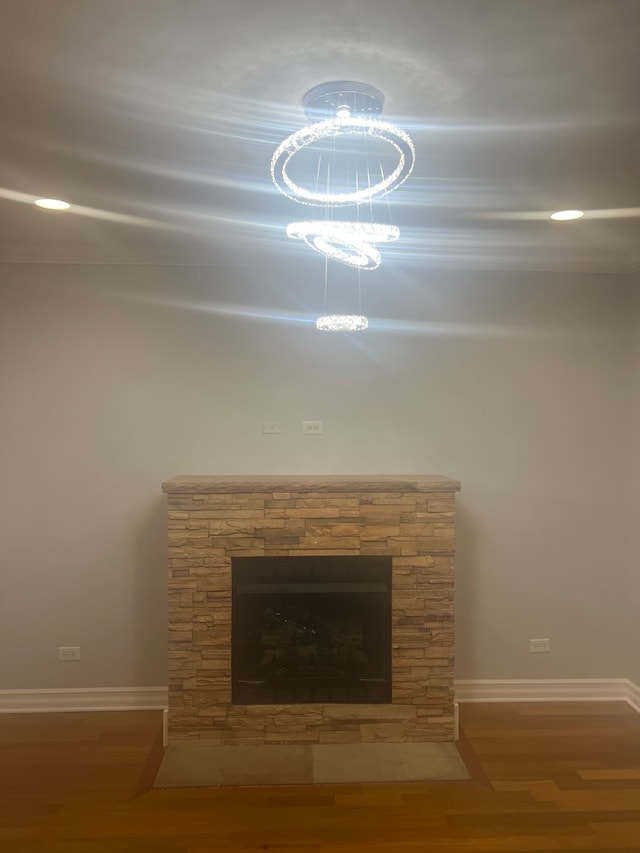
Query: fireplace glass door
pixel 311 629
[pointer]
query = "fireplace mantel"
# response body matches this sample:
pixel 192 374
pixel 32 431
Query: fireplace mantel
pixel 213 519
pixel 222 485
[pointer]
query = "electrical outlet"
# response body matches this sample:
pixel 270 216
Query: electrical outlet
pixel 540 645
pixel 271 427
pixel 68 653
pixel 312 427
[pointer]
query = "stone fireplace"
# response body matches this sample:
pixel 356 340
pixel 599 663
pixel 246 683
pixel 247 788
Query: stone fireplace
pixel 406 523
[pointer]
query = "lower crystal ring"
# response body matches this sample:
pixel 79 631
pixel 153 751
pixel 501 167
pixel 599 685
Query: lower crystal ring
pixel 342 323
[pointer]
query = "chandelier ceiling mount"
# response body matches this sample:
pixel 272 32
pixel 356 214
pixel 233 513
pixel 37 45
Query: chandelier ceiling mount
pixel 327 99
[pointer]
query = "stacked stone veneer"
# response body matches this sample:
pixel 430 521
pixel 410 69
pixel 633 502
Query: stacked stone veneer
pixel 212 519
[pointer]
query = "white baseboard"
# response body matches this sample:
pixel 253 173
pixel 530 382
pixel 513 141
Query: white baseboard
pixel 549 690
pixel 83 699
pixel 477 690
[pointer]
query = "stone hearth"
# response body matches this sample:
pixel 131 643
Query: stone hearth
pixel 212 519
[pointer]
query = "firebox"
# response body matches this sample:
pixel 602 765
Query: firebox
pixel 311 629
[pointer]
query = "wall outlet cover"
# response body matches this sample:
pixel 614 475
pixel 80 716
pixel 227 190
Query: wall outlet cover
pixel 540 645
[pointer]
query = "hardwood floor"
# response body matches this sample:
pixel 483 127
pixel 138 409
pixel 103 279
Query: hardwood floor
pixel 546 777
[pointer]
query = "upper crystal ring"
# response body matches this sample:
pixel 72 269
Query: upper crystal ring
pixel 342 126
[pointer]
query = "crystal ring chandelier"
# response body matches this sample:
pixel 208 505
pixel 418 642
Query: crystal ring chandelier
pixel 350 243
pixel 343 115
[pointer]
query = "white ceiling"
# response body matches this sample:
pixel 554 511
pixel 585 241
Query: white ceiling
pixel 157 120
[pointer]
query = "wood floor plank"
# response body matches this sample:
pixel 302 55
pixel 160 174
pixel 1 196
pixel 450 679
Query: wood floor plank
pixel 610 773
pixel 545 777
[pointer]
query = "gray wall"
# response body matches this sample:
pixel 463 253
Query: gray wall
pixel 113 379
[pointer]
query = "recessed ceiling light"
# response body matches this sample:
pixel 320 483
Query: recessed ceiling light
pixel 566 215
pixel 52 204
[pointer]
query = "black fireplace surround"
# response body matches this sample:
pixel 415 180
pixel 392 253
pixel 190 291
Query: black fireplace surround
pixel 311 629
